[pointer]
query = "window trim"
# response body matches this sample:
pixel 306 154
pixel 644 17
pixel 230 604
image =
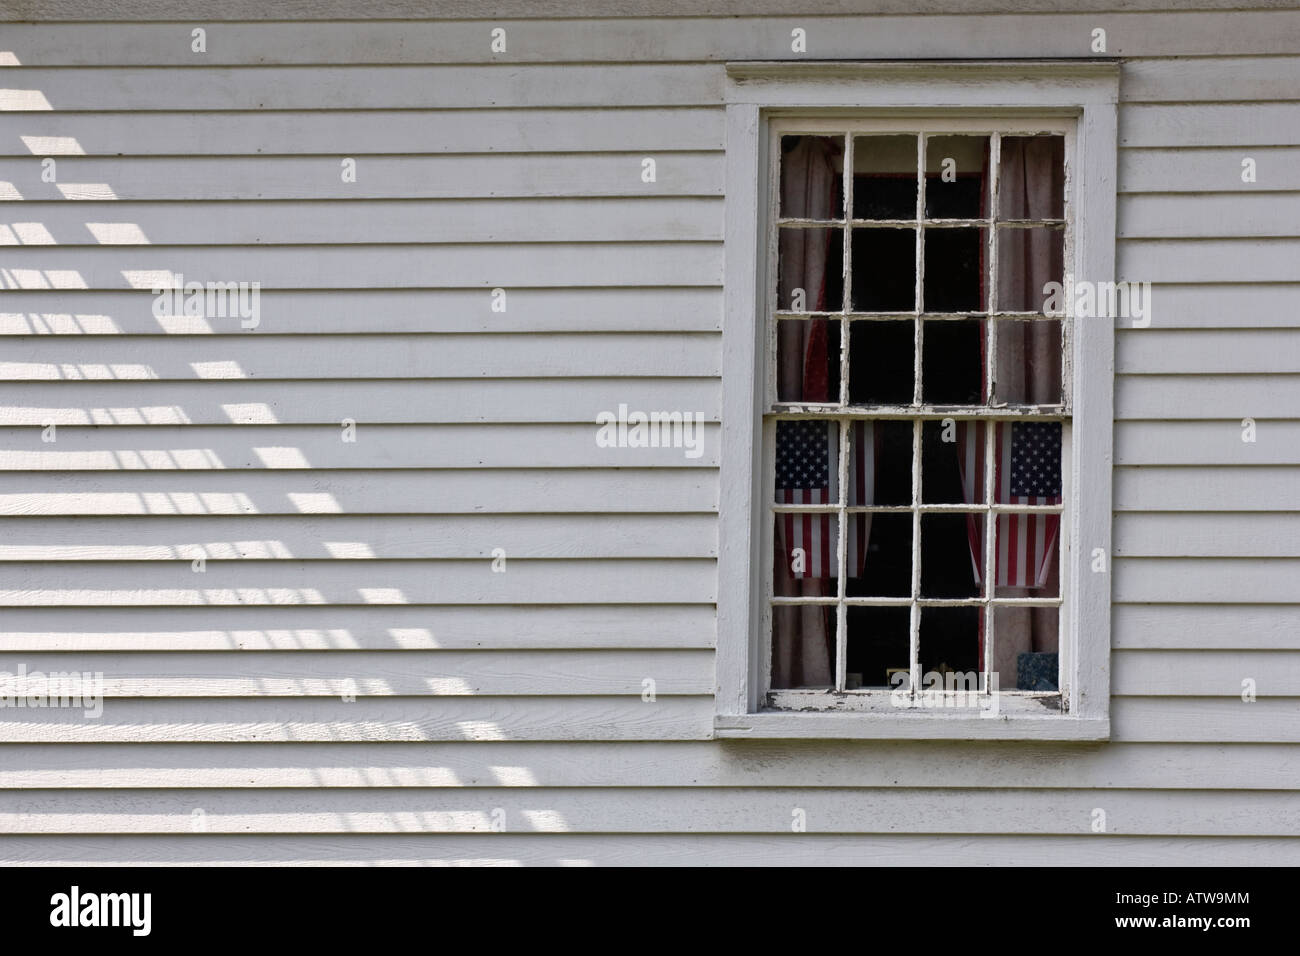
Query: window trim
pixel 756 92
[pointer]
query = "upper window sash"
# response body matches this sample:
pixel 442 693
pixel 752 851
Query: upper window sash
pixel 925 127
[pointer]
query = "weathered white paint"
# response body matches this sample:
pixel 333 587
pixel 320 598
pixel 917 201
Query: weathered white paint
pixel 331 562
pixel 1010 95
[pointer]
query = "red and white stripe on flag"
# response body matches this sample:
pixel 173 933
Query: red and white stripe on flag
pixel 1025 542
pixel 817 535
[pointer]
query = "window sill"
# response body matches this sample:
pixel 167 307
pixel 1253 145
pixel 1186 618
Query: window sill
pixel 907 726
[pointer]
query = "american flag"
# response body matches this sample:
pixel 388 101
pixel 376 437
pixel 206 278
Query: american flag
pixel 807 473
pixel 1026 471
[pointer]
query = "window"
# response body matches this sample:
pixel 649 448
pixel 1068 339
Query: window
pixel 916 409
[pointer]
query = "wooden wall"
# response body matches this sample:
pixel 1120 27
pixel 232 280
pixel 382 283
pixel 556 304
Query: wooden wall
pixel 366 567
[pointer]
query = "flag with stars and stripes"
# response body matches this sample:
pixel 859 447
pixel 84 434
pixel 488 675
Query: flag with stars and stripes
pixel 1026 471
pixel 807 473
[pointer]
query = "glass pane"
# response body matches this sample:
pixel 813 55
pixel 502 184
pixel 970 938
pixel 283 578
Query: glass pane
pixel 808 360
pixel 887 568
pixel 952 362
pixel 884 177
pixel 879 640
pixel 1028 472
pixel 1027 469
pixel 880 362
pixel 949 644
pixel 945 447
pixel 1028 260
pixel 1031 178
pixel 873 462
pixel 1025 648
pixel 891 455
pixel 807 462
pixel 810 270
pixel 956 177
pixel 866 445
pixel 954 270
pixel 812 177
pixel 951 544
pixel 884 270
pixel 1028 368
pixel 1029 556
pixel 803 646
pixel 969 440
pixel 805 552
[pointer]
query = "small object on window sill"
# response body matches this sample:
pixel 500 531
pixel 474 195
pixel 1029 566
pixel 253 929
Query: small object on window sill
pixel 1037 671
pixel 852 681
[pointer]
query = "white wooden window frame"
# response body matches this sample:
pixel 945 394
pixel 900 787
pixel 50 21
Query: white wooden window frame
pixel 1081 96
pixel 849 129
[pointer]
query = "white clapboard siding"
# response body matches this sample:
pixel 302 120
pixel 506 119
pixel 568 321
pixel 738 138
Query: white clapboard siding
pixel 366 568
pixel 1190 304
pixel 1231 351
pixel 1224 720
pixel 1202 125
pixel 153 178
pixel 269 355
pixel 612 129
pixel 227 132
pixel 533 765
pixel 1206 673
pixel 1226 534
pixel 352 581
pixel 365 265
pixel 1228 488
pixel 1208 580
pixel 1209 215
pixel 564 219
pixel 1235 260
pixel 315 312
pixel 630 219
pixel 1277 442
pixel 358 491
pixel 245 719
pixel 250 87
pixel 645 850
pixel 1218 78
pixel 311 402
pixel 488 673
pixel 547 849
pixel 1172 170
pixel 378 447
pixel 649 810
pixel 1205 626
pixel 389 627
pixel 362 87
pixel 1175 396
pixel 897 35
pixel 406 537
pixel 385 673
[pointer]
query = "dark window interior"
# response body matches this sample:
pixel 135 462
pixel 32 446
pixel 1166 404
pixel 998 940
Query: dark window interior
pixel 881 372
